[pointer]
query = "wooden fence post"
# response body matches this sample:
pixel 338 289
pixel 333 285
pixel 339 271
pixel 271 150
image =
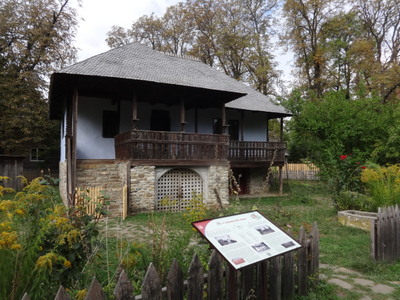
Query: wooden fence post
pixel 314 249
pixel 262 280
pixel 275 278
pixel 95 291
pixel 231 283
pixel 214 278
pixel 62 294
pixel 288 276
pixel 175 282
pixel 151 287
pixel 195 280
pixel 247 278
pixel 124 289
pixel 302 263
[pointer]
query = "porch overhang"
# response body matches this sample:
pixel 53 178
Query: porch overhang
pixel 62 85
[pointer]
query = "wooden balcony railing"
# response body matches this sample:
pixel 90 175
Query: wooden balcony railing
pixel 165 145
pixel 253 152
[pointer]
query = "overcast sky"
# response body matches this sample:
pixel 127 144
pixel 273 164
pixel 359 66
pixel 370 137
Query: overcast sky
pixel 98 16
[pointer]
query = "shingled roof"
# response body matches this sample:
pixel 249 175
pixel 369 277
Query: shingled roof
pixel 138 63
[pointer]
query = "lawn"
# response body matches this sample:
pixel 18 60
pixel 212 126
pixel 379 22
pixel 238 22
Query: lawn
pixel 161 237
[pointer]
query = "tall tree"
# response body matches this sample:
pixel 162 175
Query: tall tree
pixel 381 23
pixel 35 39
pixel 232 35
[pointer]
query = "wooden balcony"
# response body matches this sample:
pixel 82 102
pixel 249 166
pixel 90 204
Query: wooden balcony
pixel 166 148
pixel 252 154
pixel 182 148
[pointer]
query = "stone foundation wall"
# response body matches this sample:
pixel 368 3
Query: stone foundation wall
pixel 108 174
pixel 142 188
pixel 257 183
pixel 218 189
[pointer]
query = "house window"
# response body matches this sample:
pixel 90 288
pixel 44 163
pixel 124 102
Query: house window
pixel 37 154
pixel 110 123
pixel 234 129
pixel 217 126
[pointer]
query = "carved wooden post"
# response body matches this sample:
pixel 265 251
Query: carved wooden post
pixel 134 113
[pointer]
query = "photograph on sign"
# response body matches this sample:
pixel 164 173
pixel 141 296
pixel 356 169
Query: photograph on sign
pixel 246 238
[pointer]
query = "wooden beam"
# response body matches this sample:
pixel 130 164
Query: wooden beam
pixel 223 119
pixel 134 112
pixel 241 125
pixel 183 115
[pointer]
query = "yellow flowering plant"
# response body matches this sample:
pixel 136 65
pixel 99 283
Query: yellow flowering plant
pixel 42 243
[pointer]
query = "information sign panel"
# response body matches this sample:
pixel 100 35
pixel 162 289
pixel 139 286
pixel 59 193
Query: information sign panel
pixel 246 238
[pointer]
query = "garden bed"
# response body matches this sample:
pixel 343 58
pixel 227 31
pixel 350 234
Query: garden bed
pixel 357 219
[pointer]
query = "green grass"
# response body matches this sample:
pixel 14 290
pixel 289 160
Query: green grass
pixel 303 204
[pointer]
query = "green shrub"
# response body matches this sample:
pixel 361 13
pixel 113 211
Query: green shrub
pixel 382 184
pixel 42 243
pixel 348 200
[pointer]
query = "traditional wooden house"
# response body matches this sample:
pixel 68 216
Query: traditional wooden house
pixel 166 127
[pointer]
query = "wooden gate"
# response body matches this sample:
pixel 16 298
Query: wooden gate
pixel 176 188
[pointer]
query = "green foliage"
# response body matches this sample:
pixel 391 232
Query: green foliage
pixel 35 40
pixel 42 243
pixel 334 127
pixel 233 35
pixel 348 200
pixel 383 185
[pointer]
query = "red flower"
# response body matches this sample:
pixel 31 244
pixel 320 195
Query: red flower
pixel 343 157
pixel 357 163
pixel 363 167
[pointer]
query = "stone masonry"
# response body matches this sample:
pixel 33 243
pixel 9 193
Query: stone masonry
pixel 142 188
pixel 218 179
pixel 257 183
pixel 108 174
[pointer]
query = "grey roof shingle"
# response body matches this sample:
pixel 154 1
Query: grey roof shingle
pixel 256 101
pixel 138 62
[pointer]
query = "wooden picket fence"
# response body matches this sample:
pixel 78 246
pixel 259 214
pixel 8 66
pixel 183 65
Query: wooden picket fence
pixel 385 234
pixel 90 198
pixel 298 171
pixel 281 277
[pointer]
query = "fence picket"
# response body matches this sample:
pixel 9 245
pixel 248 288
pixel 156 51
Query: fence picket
pixel 124 289
pixel 248 282
pixel 302 263
pixel 385 234
pixel 195 279
pixel 275 278
pixel 26 297
pixel 95 291
pixel 214 278
pixel 175 282
pixel 262 282
pixel 151 287
pixel 288 276
pixel 314 251
pixel 270 279
pixel 62 294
